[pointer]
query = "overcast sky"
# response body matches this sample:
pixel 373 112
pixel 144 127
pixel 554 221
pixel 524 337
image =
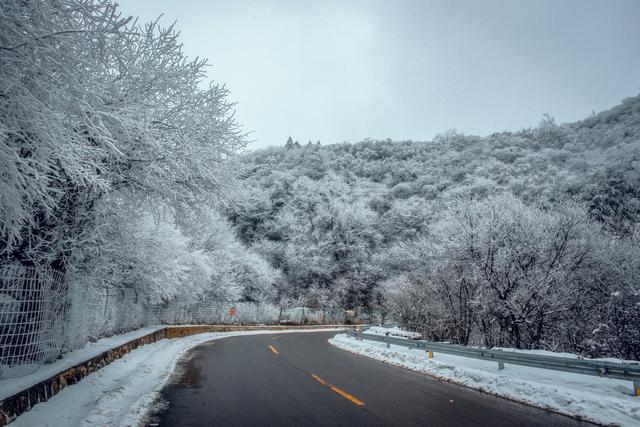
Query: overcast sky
pixel 346 70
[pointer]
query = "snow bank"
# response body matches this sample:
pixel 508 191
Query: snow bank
pixel 394 332
pixel 120 394
pixel 603 400
pixel 11 386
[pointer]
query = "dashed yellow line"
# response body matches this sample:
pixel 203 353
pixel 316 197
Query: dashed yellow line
pixel 342 393
pixel 273 349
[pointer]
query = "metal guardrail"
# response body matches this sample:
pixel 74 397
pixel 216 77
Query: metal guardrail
pixel 623 371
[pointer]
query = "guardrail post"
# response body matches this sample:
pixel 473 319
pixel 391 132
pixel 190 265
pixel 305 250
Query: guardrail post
pixel 636 388
pixel 500 365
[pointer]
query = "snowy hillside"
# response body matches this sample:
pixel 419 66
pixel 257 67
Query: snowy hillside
pixel 409 228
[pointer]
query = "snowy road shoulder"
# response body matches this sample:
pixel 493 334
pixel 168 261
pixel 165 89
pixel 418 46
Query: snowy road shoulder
pixel 121 393
pixel 11 386
pixel 602 400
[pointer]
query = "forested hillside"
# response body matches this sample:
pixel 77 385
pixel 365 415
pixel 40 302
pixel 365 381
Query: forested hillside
pixel 527 238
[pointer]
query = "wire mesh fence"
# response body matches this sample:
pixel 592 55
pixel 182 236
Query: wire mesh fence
pixel 43 315
pixel 33 302
pixel 217 312
pixel 100 312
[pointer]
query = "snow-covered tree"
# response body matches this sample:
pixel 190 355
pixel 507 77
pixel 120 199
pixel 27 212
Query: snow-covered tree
pixel 94 103
pixel 522 262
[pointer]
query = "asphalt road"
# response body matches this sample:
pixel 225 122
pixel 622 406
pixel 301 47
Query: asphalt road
pixel 299 379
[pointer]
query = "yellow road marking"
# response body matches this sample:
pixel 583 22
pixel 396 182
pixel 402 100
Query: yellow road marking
pixel 273 349
pixel 342 393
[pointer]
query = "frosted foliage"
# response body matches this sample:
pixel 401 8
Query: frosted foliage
pixel 499 272
pixel 165 265
pixel 524 261
pixel 525 238
pixel 159 272
pixel 163 262
pixel 114 155
pixel 94 103
pixel 237 272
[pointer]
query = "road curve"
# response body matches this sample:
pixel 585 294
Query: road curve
pixel 299 379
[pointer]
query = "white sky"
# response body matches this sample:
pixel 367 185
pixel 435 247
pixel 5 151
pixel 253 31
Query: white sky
pixel 345 70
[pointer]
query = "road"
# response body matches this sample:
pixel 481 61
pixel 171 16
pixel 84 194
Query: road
pixel 299 379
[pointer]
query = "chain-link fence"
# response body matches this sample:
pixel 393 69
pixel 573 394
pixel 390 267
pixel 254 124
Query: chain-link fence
pixel 33 302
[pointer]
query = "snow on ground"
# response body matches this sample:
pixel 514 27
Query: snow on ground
pixel 603 400
pixel 11 386
pixel 394 332
pixel 121 393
